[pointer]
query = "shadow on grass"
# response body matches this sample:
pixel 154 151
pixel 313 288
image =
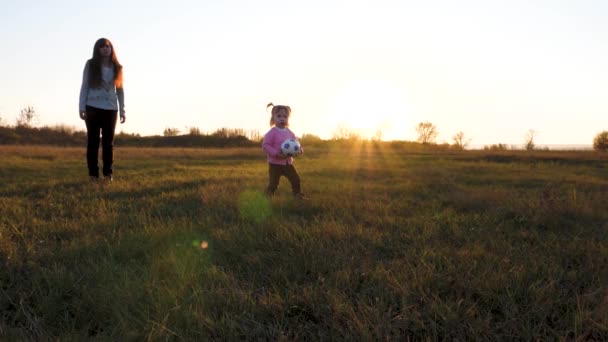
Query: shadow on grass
pixel 102 288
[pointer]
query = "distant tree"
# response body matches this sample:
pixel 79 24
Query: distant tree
pixel 194 131
pixel 307 137
pixel 600 142
pixel 63 128
pixel 238 132
pixel 229 133
pixel 221 132
pixel 529 140
pixel 460 142
pixel 343 132
pixel 26 117
pixel 427 132
pixel 171 132
pixel 496 147
pixel 254 135
pixel 377 136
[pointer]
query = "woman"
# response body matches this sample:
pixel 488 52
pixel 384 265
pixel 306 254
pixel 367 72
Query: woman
pixel 101 97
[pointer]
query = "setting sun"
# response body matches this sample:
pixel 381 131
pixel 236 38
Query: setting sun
pixel 369 106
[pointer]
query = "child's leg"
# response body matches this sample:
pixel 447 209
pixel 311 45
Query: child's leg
pixel 274 174
pixel 294 178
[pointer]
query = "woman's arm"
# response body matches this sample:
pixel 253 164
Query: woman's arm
pixel 84 90
pixel 120 93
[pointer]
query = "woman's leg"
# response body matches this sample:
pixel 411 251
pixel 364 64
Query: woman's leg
pixel 93 129
pixel 108 127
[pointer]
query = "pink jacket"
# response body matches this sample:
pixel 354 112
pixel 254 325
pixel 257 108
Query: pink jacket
pixel 272 145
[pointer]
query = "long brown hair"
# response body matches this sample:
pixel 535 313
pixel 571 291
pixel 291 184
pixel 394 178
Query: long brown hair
pixel 95 78
pixel 277 109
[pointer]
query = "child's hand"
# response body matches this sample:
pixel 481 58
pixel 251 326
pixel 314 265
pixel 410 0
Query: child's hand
pixel 281 155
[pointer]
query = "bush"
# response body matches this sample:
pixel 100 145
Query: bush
pixel 600 142
pixel 496 147
pixel 309 138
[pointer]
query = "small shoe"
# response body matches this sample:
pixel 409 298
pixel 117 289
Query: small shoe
pixel 300 196
pixel 93 179
pixel 108 179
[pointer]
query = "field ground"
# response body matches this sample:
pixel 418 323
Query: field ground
pixel 391 245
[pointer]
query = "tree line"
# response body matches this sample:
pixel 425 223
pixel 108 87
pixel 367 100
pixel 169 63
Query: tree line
pixel 26 132
pixel 427 133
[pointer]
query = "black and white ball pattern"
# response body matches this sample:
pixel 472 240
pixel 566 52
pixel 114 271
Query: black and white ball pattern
pixel 291 147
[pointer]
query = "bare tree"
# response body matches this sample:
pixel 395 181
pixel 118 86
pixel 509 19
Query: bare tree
pixel 26 117
pixel 377 136
pixel 600 142
pixel 342 132
pixel 460 142
pixel 226 133
pixel 427 132
pixel 194 131
pixel 171 132
pixel 496 147
pixel 529 140
pixel 254 135
pixel 308 138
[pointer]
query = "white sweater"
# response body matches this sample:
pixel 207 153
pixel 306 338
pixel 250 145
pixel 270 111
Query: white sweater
pixel 104 97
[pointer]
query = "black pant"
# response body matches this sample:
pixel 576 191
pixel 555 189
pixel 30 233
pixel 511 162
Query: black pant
pixel 275 171
pixel 100 121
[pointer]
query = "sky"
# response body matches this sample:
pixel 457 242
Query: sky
pixel 492 69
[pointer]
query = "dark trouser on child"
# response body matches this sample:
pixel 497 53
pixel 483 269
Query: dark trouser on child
pixel 104 121
pixel 275 171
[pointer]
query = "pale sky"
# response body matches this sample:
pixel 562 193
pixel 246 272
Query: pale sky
pixel 492 69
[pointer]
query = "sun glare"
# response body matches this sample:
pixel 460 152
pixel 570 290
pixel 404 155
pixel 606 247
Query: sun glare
pixel 369 107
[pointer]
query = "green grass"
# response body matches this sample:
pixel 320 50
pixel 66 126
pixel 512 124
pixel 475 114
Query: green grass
pixel 392 245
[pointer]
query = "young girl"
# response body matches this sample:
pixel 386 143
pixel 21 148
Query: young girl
pixel 278 163
pixel 101 96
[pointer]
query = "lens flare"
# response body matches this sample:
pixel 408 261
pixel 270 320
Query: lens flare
pixel 202 244
pixel 254 206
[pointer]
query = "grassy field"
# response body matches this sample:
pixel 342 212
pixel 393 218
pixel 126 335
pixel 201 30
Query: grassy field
pixel 391 245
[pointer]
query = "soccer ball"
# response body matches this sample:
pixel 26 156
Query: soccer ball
pixel 291 147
